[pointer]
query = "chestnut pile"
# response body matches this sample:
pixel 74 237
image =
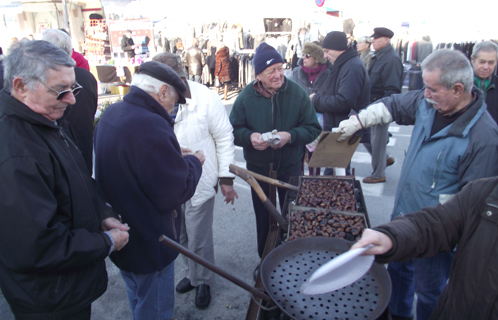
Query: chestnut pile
pixel 328 194
pixel 314 223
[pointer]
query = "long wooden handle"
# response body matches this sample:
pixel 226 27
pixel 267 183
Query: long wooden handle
pixel 243 173
pixel 175 246
pixel 266 202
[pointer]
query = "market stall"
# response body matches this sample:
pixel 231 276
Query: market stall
pixel 103 50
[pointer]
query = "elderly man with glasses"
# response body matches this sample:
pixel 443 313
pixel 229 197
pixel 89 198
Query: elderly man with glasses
pixel 272 103
pixel 55 229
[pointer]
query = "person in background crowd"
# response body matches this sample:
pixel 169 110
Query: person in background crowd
pixel 81 61
pixel 363 47
pixel 272 102
pixel 466 222
pixel 222 69
pixel 347 86
pixel 55 228
pixel 140 166
pixel 81 114
pixel 128 45
pixel 484 56
pixel 311 75
pixel 31 37
pixel 202 123
pixel 301 38
pixel 454 141
pixel 385 72
pixel 195 61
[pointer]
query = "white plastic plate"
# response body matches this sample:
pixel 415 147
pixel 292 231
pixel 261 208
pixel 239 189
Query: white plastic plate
pixel 339 272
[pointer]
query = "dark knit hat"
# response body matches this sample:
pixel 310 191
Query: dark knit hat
pixel 315 51
pixel 264 57
pixel 164 73
pixel 335 40
pixel 172 60
pixel 382 32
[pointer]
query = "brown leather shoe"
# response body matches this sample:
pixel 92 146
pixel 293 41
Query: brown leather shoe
pixel 374 180
pixel 390 161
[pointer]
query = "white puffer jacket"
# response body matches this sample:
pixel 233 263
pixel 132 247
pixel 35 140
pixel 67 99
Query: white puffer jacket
pixel 202 124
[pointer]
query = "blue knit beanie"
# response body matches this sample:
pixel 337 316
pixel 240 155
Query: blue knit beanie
pixel 264 57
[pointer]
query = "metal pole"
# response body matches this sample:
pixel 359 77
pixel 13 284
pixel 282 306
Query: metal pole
pixel 66 17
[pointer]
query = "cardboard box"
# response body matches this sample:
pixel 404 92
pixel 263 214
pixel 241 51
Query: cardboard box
pixel 330 153
pixel 123 89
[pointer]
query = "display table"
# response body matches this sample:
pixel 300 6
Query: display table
pixel 107 74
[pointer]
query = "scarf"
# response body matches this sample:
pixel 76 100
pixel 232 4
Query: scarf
pixel 258 86
pixel 482 84
pixel 313 73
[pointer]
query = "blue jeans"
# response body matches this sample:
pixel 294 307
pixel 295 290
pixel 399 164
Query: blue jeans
pixel 426 277
pixel 151 295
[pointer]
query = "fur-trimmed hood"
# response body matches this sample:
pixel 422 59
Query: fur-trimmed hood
pixel 315 51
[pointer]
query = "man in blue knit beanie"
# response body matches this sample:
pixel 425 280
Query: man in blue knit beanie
pixel 272 103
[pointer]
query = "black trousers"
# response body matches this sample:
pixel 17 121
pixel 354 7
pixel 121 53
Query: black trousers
pixel 83 314
pixel 262 215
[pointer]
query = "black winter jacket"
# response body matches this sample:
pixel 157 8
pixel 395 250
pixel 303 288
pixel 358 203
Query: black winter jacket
pixel 385 72
pixel 81 115
pixel 52 257
pixel 1 74
pixel 127 46
pixel 346 88
pixel 138 163
pixel 469 222
pixel 491 98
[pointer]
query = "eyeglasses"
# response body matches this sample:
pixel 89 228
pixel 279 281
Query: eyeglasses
pixel 307 56
pixel 75 89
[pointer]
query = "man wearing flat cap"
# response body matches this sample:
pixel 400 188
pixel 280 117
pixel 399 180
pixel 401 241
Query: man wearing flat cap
pixel 202 123
pixel 348 86
pixel 385 72
pixel 140 166
pixel 272 102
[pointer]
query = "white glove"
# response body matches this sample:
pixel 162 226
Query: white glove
pixel 266 137
pixel 348 127
pixel 376 113
pixel 275 138
pixel 271 137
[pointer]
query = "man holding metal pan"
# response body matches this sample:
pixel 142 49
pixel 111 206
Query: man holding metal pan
pixel 270 103
pixel 454 141
pixel 468 222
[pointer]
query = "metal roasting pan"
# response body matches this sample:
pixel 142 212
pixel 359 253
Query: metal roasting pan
pixel 288 266
pixel 285 268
